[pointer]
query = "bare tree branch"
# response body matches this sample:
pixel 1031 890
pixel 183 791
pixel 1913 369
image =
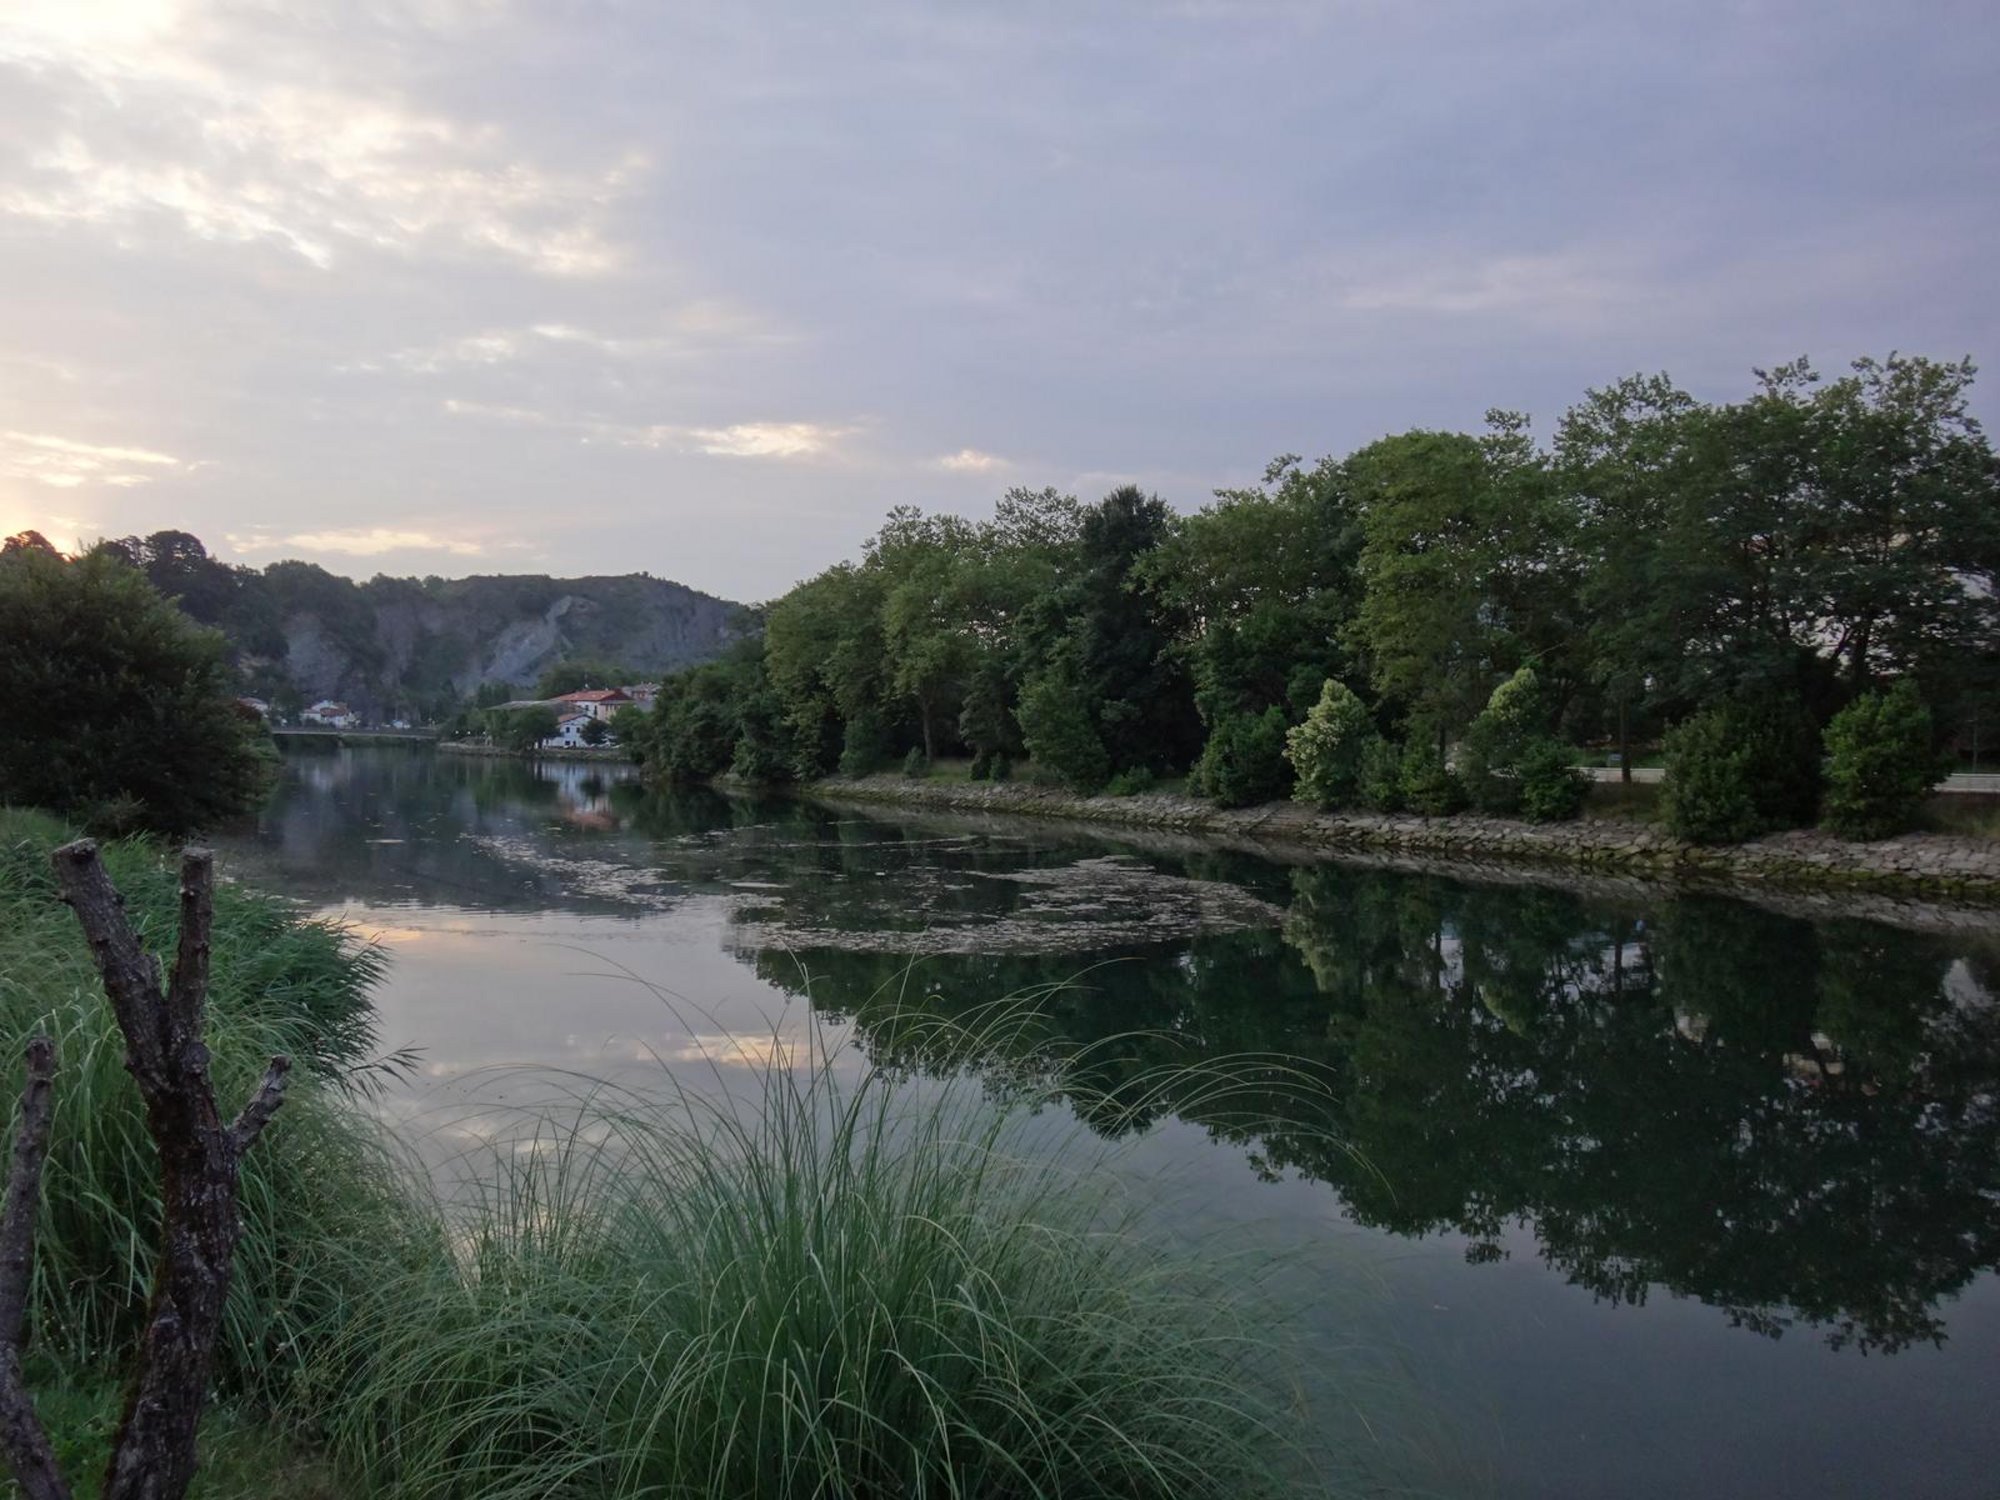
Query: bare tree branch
pixel 131 975
pixel 264 1104
pixel 22 1436
pixel 187 991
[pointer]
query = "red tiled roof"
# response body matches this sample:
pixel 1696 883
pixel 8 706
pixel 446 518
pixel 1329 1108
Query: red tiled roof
pixel 596 695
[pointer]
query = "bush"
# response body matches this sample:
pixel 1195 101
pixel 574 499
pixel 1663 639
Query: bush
pixel 1880 764
pixel 1429 787
pixel 1130 783
pixel 1737 770
pixel 1002 768
pixel 1708 798
pixel 1061 735
pixel 1490 755
pixel 1244 762
pixel 1552 789
pixel 981 768
pixel 1329 750
pixel 1379 779
pixel 117 708
pixel 864 744
pixel 916 765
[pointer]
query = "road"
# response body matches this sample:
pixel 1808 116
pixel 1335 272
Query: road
pixel 1985 784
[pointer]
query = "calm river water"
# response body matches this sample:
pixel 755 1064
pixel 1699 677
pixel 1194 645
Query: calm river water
pixel 1610 1191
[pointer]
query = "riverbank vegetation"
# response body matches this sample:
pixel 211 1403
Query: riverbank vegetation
pixel 117 706
pixel 837 1282
pixel 1732 572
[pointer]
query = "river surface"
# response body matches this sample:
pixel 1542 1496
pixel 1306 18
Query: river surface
pixel 1587 1190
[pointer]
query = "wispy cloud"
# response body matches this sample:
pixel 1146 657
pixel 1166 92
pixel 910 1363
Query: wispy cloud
pixel 971 461
pixel 372 541
pixel 64 463
pixel 317 168
pixel 785 440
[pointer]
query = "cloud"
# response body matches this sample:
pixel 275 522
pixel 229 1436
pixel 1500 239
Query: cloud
pixel 142 127
pixel 765 439
pixel 789 440
pixel 360 542
pixel 971 461
pixel 64 463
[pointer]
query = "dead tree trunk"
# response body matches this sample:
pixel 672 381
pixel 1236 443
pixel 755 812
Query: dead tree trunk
pixel 21 1433
pixel 153 1455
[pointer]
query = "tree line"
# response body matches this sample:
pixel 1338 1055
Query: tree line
pixel 1435 619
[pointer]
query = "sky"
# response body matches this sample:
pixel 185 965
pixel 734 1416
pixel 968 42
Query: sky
pixel 602 286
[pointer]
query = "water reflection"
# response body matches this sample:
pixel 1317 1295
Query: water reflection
pixel 1793 1120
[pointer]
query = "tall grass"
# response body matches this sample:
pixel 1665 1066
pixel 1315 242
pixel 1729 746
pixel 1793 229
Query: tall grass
pixel 838 1283
pixel 314 1192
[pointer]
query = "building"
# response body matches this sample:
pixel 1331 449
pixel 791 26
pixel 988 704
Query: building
pixel 599 703
pixel 330 714
pixel 642 694
pixel 256 706
pixel 569 729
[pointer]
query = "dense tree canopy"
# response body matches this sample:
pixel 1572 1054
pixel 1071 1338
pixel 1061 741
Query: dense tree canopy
pixel 1660 558
pixel 118 709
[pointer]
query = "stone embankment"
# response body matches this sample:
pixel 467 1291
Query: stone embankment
pixel 1936 866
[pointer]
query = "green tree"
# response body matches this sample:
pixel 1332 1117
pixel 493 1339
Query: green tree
pixel 578 673
pixel 1060 730
pixel 118 708
pixel 594 733
pixel 525 728
pixel 1244 762
pixel 1739 769
pixel 1881 763
pixel 1329 750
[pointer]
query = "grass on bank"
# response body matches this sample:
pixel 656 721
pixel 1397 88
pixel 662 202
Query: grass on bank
pixel 845 1283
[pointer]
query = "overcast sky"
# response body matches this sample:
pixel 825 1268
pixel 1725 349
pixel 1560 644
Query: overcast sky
pixel 454 286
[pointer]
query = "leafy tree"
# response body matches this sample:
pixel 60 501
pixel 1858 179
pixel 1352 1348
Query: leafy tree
pixel 525 728
pixel 1552 789
pixel 1881 763
pixel 1429 786
pixel 594 733
pixel 1060 731
pixel 1244 761
pixel 1329 749
pixel 117 706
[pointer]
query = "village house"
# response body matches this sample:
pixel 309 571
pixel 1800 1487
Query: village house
pixel 569 730
pixel 599 703
pixel 330 714
pixel 642 694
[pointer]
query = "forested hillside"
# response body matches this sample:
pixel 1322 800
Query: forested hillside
pixel 414 647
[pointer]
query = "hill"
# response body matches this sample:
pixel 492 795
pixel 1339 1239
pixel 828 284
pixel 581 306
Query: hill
pixel 417 646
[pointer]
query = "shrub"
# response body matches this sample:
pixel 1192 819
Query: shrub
pixel 1552 789
pixel 1429 786
pixel 1880 764
pixel 1379 779
pixel 1131 782
pixel 1737 770
pixel 864 744
pixel 1244 762
pixel 982 766
pixel 1061 735
pixel 1330 749
pixel 1002 768
pixel 916 765
pixel 1489 756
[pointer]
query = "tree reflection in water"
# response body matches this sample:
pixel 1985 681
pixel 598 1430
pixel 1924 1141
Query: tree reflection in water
pixel 1794 1121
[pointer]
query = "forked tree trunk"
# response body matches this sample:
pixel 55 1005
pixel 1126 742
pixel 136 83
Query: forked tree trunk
pixel 153 1455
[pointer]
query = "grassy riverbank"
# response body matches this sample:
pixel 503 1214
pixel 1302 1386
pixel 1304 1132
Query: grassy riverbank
pixel 836 1283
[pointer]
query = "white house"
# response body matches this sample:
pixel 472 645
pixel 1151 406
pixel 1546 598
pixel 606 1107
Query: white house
pixel 569 730
pixel 331 714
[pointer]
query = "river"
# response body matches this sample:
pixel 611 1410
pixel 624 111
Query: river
pixel 1571 1189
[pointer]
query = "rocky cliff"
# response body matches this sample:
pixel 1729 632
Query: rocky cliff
pixel 415 646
